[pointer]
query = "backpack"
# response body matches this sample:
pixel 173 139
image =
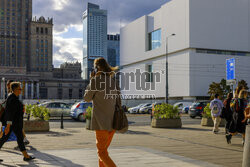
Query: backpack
pixel 215 108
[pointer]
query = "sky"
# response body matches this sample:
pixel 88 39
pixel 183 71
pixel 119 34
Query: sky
pixel 67 19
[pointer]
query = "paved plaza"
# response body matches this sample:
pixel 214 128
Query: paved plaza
pixel 192 145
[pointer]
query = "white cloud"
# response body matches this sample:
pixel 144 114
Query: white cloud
pixel 59 4
pixel 69 49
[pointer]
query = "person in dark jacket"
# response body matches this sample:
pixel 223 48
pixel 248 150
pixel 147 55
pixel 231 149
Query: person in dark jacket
pixel 237 125
pixel 228 113
pixel 14 119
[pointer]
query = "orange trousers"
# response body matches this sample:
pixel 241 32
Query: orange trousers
pixel 103 140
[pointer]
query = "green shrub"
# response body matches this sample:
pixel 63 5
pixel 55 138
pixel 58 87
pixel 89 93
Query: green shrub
pixel 166 111
pixel 206 112
pixel 38 112
pixel 87 115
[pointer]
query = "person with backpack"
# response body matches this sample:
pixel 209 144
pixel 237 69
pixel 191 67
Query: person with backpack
pixel 238 124
pixel 216 106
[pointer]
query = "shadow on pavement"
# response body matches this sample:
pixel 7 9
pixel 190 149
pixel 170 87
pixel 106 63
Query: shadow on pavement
pixel 49 159
pixel 52 134
pixel 137 132
pixel 195 129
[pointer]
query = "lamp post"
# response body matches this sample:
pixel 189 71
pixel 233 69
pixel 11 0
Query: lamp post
pixel 166 100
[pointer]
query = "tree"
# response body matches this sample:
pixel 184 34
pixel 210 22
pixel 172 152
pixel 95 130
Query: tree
pixel 243 83
pixel 219 88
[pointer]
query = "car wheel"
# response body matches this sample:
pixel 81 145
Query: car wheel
pixel 81 118
pixel 138 112
pixel 149 111
pixel 192 116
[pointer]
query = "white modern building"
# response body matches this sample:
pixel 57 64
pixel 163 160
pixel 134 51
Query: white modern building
pixel 94 37
pixel 198 36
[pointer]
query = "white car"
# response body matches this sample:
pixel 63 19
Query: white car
pixel 182 106
pixel 135 110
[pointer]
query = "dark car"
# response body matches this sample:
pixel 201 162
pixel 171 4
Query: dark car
pixel 197 108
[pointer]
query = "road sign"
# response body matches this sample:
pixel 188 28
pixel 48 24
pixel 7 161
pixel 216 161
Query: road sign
pixel 230 63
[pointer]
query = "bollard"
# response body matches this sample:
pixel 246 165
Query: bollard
pixel 62 120
pixel 246 153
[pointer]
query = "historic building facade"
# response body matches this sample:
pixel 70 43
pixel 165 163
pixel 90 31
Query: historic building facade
pixel 26 55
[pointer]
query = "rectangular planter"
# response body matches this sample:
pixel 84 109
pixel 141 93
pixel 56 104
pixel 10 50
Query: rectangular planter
pixel 88 124
pixel 36 126
pixel 166 123
pixel 209 122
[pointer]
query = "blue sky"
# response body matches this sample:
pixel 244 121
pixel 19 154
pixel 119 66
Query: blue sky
pixel 68 26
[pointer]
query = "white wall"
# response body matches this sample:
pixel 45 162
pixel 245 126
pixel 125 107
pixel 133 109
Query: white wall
pixel 220 24
pixel 159 65
pixel 171 18
pixel 179 79
pixel 208 68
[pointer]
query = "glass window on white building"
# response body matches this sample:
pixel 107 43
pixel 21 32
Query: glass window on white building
pixel 154 39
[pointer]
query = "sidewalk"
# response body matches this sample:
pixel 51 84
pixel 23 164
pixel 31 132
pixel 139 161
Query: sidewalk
pixel 192 145
pixel 124 157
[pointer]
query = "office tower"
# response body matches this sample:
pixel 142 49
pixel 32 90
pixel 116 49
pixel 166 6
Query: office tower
pixel 94 37
pixel 14 32
pixel 113 50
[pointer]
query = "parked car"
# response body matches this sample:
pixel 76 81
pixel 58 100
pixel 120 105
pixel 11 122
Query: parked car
pixel 78 110
pixel 183 107
pixel 135 110
pixel 147 108
pixel 197 108
pixel 57 108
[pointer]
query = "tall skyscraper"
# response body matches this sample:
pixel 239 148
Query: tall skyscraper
pixel 114 50
pixel 15 16
pixel 94 37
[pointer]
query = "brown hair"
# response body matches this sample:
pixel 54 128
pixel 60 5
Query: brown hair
pixel 243 94
pixel 14 86
pixel 103 66
pixel 237 91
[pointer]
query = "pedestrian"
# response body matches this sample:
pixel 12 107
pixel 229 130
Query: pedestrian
pixel 102 83
pixel 216 106
pixel 228 112
pixel 25 140
pixel 238 125
pixel 14 119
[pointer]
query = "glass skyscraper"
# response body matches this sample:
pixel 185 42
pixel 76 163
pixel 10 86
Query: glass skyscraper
pixel 114 50
pixel 94 37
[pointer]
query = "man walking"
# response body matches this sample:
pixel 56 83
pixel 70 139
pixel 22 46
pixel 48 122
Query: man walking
pixel 216 106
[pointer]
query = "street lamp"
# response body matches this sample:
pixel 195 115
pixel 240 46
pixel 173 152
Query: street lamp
pixel 167 66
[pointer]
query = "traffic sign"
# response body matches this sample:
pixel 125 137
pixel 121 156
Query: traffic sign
pixel 230 66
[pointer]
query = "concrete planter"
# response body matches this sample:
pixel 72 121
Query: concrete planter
pixel 209 122
pixel 88 124
pixel 36 126
pixel 166 123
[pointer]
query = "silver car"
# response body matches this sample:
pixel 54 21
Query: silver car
pixel 78 110
pixel 57 108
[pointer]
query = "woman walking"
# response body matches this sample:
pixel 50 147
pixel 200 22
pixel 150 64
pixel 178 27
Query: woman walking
pixel 14 119
pixel 228 113
pixel 237 125
pixel 102 84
